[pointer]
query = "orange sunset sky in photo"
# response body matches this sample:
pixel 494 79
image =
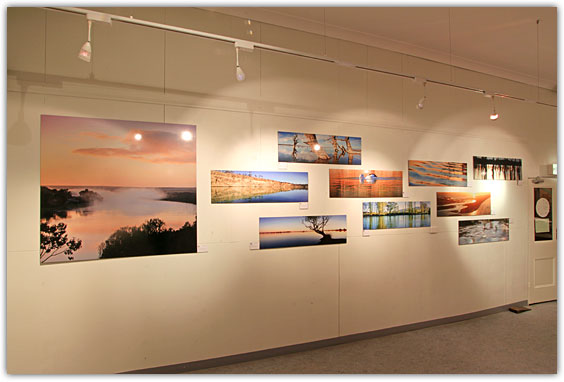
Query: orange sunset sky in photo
pixel 104 152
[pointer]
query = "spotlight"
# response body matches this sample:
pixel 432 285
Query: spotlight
pixel 493 116
pixel 421 104
pixel 186 136
pixel 239 73
pixel 85 53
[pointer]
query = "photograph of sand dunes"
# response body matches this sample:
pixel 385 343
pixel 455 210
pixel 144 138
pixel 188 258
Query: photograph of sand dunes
pixel 365 183
pixel 482 231
pixel 441 174
pixel 258 186
pixel 318 148
pixel 463 203
pixel 113 188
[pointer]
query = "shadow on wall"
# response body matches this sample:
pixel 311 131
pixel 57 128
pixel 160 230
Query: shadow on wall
pixel 19 133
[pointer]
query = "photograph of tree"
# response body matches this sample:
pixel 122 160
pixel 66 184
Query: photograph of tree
pixel 543 214
pixel 365 183
pixel 386 215
pixel 488 168
pixel 113 188
pixel 442 174
pixel 298 231
pixel 482 231
pixel 463 203
pixel 318 148
pixel 258 186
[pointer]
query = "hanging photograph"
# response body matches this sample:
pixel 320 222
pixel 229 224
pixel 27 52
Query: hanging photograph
pixel 365 183
pixel 488 168
pixel 298 231
pixel 113 188
pixel 386 215
pixel 482 231
pixel 543 214
pixel 441 174
pixel 258 186
pixel 318 148
pixel 463 203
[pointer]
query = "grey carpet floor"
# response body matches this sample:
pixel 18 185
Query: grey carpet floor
pixel 505 343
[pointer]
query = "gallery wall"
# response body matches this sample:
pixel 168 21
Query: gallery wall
pixel 116 315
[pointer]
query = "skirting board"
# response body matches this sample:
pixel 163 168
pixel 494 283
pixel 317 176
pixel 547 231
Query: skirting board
pixel 259 354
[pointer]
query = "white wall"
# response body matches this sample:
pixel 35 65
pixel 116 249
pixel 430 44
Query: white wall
pixel 124 314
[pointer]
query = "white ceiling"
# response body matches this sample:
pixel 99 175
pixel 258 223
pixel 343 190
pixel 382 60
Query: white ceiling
pixel 496 40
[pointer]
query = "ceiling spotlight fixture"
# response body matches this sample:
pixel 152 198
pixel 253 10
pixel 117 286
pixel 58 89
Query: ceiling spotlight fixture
pixel 421 102
pixel 85 53
pixel 239 72
pixel 247 47
pixel 493 116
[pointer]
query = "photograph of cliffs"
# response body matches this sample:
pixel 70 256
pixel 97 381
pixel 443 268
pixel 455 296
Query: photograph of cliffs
pixel 113 188
pixel 258 186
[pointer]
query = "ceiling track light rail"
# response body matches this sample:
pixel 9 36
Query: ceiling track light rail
pixel 240 43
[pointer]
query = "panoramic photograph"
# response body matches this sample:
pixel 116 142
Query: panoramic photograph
pixel 386 215
pixel 318 148
pixel 441 174
pixel 482 231
pixel 365 183
pixel 114 188
pixel 489 168
pixel 298 231
pixel 258 186
pixel 463 203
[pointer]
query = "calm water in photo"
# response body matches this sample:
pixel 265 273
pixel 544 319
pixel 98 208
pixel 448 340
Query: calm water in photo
pixel 240 195
pixel 295 239
pixel 396 221
pixel 120 207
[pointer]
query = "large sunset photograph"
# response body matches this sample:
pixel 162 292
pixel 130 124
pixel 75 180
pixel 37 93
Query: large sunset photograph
pixel 114 188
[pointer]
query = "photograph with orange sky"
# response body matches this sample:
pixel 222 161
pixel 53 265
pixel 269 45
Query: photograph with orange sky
pixel 113 188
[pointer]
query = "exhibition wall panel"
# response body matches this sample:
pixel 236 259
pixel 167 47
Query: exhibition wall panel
pixel 116 315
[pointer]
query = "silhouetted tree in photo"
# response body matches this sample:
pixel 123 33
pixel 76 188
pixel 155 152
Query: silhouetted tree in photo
pixel 55 241
pixel 151 238
pixel 317 224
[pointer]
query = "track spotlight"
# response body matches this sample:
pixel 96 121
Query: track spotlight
pixel 493 116
pixel 421 104
pixel 85 53
pixel 240 74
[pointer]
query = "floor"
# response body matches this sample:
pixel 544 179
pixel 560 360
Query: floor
pixel 505 343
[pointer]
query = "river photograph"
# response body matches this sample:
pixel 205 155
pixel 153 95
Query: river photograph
pixel 298 231
pixel 388 215
pixel 318 148
pixel 112 188
pixel 258 186
pixel 365 183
